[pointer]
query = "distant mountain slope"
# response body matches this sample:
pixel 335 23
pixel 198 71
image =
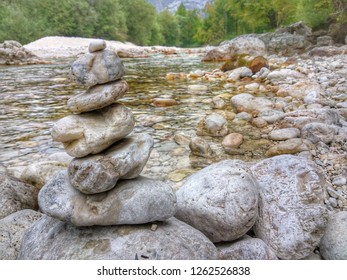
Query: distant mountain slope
pixel 172 5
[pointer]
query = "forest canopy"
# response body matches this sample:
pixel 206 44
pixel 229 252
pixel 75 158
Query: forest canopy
pixel 138 21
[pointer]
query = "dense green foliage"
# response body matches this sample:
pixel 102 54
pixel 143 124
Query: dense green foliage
pixel 138 21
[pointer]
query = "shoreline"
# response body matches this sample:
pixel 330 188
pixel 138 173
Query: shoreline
pixel 62 47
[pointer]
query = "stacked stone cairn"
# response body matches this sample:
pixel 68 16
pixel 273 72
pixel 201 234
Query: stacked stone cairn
pixel 101 208
pixel 98 136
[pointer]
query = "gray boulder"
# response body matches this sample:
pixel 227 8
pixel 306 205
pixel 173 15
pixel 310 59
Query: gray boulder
pixel 292 214
pixel 136 201
pixel 219 53
pixel 287 44
pixel 246 44
pixel 239 73
pixel 288 40
pixel 325 41
pixel 15 195
pixel 333 245
pixel 246 248
pixel 12 229
pixel 278 76
pixel 51 239
pixel 13 53
pixel 97 68
pixel 97 97
pixel 220 200
pixel 328 51
pixel 300 118
pixel 246 102
pixel 316 132
pixel 123 160
pixel 93 132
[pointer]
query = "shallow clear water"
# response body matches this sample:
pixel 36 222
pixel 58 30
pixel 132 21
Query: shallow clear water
pixel 34 97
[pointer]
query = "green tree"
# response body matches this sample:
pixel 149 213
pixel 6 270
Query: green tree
pixel 140 20
pixel 169 28
pixel 189 23
pixel 218 24
pixel 110 22
pixel 314 13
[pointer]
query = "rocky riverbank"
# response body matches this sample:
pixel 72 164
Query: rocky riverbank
pixel 290 204
pixel 58 47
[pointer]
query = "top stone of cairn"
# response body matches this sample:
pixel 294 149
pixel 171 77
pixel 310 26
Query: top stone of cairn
pixel 97 45
pixel 99 66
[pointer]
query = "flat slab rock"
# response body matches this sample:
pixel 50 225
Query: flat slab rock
pixel 93 132
pixel 12 229
pixel 136 201
pixel 246 102
pixel 220 200
pixel 51 239
pixel 97 97
pixel 124 160
pixel 99 67
pixel 292 214
pixel 15 195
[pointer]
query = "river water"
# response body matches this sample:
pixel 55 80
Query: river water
pixel 34 97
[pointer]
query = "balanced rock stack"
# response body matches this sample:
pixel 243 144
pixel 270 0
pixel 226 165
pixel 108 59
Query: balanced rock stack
pixel 102 186
pixel 98 136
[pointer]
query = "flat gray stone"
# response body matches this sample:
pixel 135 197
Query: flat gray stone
pixel 220 200
pixel 136 201
pixel 246 248
pixel 300 118
pixel 12 229
pixel 333 245
pixel 97 97
pixel 51 239
pixel 284 74
pixel 292 214
pixel 124 160
pixel 97 68
pixel 284 134
pixel 15 195
pixel 290 146
pixel 93 132
pixel 246 102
